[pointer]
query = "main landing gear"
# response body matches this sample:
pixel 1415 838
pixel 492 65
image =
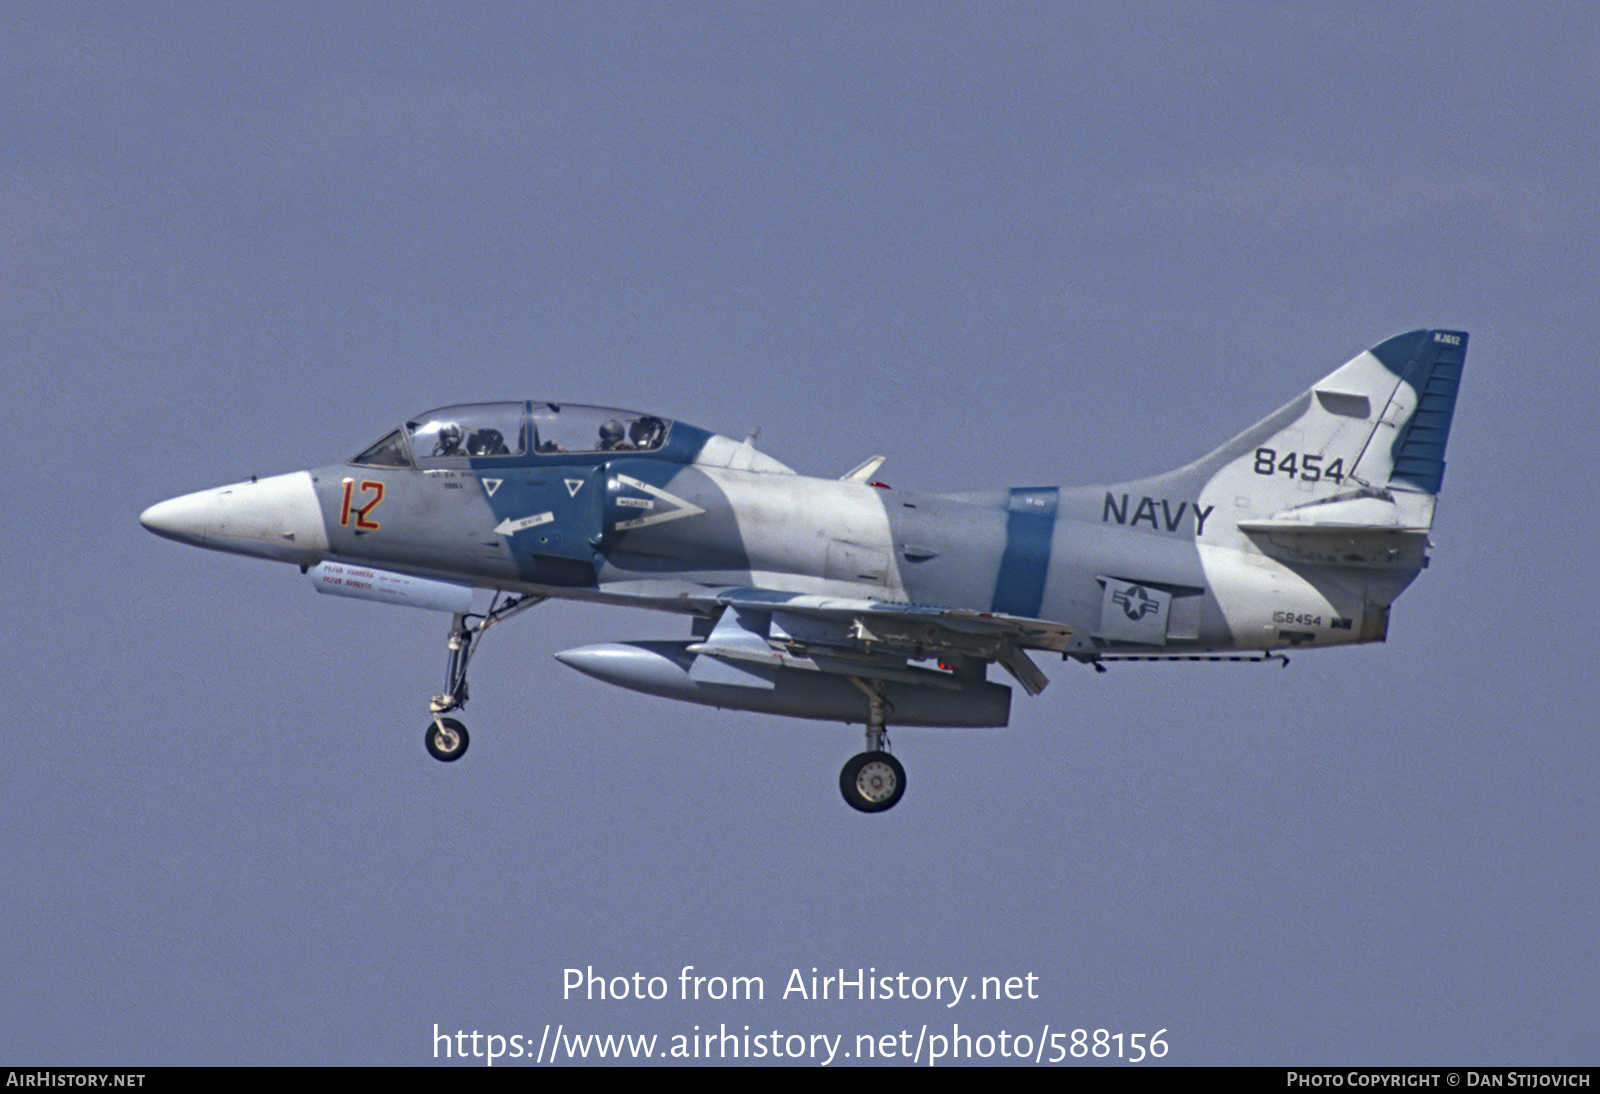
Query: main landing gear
pixel 873 780
pixel 446 738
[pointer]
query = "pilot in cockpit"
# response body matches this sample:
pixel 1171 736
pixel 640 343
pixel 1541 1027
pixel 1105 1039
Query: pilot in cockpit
pixel 487 442
pixel 645 432
pixel 449 442
pixel 613 437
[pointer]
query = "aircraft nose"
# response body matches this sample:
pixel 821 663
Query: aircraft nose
pixel 175 518
pixel 277 518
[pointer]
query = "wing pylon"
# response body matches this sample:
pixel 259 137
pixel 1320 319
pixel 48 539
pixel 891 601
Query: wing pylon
pixel 877 639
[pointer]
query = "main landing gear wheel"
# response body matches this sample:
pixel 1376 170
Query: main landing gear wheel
pixel 872 781
pixel 447 739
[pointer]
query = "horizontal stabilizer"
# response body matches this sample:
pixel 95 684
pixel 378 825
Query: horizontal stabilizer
pixel 1373 528
pixel 1378 511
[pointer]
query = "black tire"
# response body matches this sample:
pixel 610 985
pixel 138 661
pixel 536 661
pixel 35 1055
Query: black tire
pixel 449 745
pixel 872 782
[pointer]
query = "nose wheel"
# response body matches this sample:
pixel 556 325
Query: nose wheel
pixel 447 739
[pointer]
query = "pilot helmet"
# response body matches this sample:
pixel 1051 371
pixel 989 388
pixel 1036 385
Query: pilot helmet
pixel 643 432
pixel 611 434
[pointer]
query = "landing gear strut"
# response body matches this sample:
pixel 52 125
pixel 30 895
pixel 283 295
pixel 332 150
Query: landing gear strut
pixel 873 780
pixel 446 738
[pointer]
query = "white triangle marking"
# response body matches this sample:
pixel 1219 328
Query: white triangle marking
pixel 573 486
pixel 491 485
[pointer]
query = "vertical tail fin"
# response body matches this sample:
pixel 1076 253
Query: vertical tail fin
pixel 1363 448
pixel 1312 521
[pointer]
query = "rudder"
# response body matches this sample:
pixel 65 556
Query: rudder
pixel 1428 363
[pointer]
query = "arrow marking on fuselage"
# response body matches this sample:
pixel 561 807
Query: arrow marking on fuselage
pixel 509 527
pixel 680 508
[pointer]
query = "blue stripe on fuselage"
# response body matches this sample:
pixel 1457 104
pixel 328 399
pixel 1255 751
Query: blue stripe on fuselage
pixel 1030 522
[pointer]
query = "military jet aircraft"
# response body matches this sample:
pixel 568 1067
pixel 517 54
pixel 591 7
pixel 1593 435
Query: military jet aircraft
pixel 845 600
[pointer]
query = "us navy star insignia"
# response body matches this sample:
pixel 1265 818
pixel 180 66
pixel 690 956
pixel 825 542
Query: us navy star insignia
pixel 1135 602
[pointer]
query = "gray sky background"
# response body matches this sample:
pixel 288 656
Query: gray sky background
pixel 1006 245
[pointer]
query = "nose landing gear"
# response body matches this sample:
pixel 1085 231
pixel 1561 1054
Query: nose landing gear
pixel 446 738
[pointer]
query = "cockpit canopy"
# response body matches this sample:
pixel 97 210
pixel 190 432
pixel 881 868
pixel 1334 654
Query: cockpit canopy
pixel 516 429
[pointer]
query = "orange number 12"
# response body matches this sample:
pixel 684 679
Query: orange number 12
pixel 368 486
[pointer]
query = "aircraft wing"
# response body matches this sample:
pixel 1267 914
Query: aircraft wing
pixel 872 638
